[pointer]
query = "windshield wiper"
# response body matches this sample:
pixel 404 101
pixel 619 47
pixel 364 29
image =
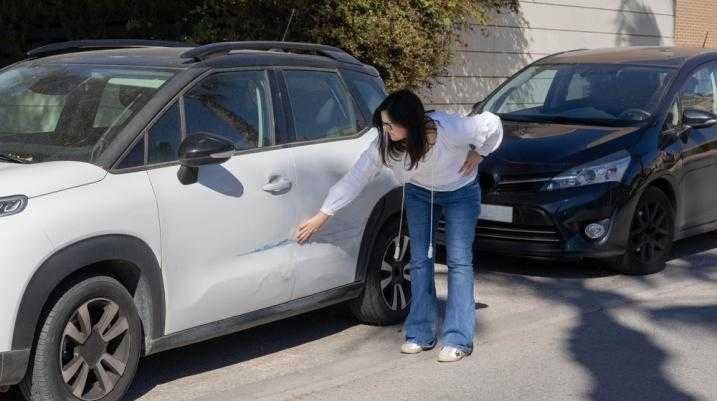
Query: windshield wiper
pixel 9 157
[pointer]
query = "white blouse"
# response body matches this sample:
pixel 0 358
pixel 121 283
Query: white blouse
pixel 437 171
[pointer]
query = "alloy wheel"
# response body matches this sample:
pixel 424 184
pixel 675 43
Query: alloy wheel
pixel 395 276
pixel 94 350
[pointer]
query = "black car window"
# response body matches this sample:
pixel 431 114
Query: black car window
pixel 234 105
pixel 367 90
pixel 135 157
pixel 699 91
pixel 320 106
pixel 164 137
pixel 674 117
pixel 528 93
pixel 607 94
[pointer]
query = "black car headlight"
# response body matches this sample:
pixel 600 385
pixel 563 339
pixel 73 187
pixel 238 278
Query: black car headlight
pixel 608 169
pixel 12 205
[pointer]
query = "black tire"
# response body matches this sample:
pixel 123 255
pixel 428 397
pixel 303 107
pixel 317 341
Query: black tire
pixel 376 303
pixel 90 301
pixel 651 235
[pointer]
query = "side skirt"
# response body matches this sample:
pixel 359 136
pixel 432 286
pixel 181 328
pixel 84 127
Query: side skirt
pixel 255 318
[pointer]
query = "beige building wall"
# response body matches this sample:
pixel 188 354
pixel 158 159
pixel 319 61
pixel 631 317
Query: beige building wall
pixel 541 28
pixel 693 20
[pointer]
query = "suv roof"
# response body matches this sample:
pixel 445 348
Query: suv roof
pixel 187 55
pixel 664 56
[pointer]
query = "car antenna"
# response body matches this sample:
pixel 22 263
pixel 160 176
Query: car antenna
pixel 707 34
pixel 283 38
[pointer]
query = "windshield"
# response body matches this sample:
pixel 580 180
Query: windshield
pixel 69 111
pixel 582 93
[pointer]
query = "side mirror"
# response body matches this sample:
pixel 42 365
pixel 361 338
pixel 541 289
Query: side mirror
pixel 201 149
pixel 476 108
pixel 698 118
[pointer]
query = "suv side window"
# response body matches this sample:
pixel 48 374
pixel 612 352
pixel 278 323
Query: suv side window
pixel 367 90
pixel 235 105
pixel 320 106
pixel 699 91
pixel 164 137
pixel 135 157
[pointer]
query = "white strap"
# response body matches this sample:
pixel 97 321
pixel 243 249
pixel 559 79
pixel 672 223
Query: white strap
pixel 397 252
pixel 430 235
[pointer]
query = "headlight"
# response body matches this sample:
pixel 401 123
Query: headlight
pixel 608 169
pixel 12 205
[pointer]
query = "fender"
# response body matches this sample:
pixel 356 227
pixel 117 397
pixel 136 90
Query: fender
pixel 148 294
pixel 670 186
pixel 389 205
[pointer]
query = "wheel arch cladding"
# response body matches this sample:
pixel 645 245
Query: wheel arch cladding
pixel 128 259
pixel 667 187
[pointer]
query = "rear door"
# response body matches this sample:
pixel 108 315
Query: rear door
pixel 329 132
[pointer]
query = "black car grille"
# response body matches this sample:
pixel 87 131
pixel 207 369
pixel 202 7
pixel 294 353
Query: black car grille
pixel 512 232
pixel 497 231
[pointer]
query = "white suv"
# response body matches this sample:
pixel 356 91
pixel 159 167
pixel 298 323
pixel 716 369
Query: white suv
pixel 149 194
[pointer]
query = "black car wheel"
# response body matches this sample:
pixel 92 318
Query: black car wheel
pixel 386 298
pixel 88 347
pixel 651 235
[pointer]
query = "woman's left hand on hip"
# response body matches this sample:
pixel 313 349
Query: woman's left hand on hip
pixel 471 163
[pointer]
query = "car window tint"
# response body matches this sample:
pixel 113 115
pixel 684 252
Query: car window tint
pixel 579 87
pixel 320 105
pixel 234 105
pixel 164 137
pixel 530 94
pixel 118 94
pixel 699 91
pixel 28 111
pixel 368 90
pixel 673 119
pixel 135 157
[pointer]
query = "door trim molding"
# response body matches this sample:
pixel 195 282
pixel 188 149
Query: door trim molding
pixel 255 318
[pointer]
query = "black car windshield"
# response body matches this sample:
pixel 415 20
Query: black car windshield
pixel 609 94
pixel 52 112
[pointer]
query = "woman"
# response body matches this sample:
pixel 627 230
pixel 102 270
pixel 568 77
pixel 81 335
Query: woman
pixel 431 155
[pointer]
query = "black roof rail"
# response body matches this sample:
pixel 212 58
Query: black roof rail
pixel 204 52
pixel 95 44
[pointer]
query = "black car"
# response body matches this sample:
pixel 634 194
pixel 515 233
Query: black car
pixel 607 153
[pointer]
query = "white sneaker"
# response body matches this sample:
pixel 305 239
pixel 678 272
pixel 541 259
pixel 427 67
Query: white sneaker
pixel 409 347
pixel 451 354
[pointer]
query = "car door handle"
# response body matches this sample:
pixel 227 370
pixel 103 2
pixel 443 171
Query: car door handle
pixel 277 184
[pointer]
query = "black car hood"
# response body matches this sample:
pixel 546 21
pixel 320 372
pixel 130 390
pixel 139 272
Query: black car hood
pixel 544 148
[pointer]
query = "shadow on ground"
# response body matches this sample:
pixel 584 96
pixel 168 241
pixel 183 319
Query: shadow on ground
pixel 624 363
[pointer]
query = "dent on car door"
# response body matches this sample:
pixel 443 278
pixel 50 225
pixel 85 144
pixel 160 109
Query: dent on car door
pixel 700 149
pixel 325 126
pixel 226 239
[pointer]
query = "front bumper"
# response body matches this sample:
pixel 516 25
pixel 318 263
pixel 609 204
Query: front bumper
pixel 13 365
pixel 550 225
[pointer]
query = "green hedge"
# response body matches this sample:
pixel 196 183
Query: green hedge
pixel 407 40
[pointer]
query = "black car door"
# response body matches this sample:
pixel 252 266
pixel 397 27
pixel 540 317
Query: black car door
pixel 699 154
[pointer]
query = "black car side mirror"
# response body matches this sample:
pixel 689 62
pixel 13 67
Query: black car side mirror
pixel 698 118
pixel 475 108
pixel 201 149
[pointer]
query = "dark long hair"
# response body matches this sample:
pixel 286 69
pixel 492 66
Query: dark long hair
pixel 406 109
